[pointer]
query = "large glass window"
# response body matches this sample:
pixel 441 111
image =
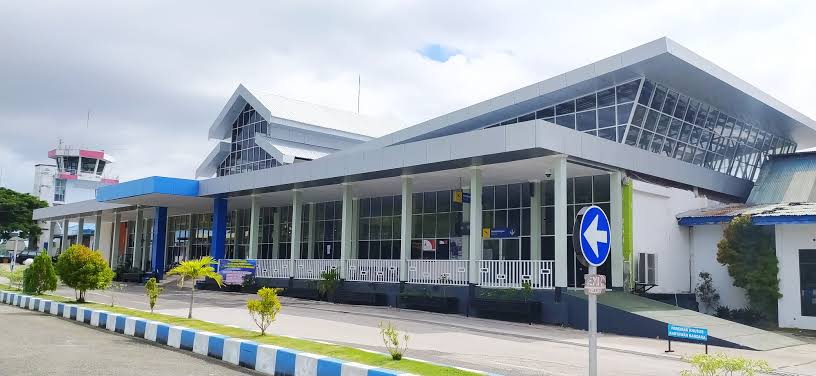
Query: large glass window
pixel 328 226
pixel 88 165
pixel 436 222
pixel 59 190
pixel 244 154
pixel 807 281
pixel 237 241
pixel 506 208
pixel 201 235
pixel 380 227
pixel 178 238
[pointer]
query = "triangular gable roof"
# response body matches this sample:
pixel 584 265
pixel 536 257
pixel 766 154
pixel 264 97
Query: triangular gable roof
pixel 302 115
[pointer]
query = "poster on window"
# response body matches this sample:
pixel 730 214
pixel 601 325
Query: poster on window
pixel 429 245
pixel 233 271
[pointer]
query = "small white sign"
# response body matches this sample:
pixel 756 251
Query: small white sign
pixel 594 284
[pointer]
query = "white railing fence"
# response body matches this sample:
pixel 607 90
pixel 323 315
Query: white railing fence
pixel 272 268
pixel 364 270
pixel 438 272
pixel 513 273
pixel 311 269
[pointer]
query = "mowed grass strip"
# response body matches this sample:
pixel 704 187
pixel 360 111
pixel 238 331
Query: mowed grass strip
pixel 335 351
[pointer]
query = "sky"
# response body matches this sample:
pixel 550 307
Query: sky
pixel 155 74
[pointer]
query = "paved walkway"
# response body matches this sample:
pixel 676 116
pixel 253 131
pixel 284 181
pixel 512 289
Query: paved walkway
pixel 493 346
pixel 37 344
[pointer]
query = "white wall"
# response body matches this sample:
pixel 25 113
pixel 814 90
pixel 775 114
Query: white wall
pixel 789 240
pixel 704 241
pixel 655 230
pixel 105 240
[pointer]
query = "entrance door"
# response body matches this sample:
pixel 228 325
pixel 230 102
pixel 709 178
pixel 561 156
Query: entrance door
pixel 807 281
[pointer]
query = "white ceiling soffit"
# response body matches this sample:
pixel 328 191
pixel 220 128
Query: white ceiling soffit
pixel 209 166
pixel 287 151
pixel 302 115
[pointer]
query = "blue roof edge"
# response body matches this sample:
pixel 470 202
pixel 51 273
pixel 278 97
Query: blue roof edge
pixel 782 219
pixel 708 220
pixel 146 186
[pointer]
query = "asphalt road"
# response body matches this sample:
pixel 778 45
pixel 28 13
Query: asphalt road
pixel 33 343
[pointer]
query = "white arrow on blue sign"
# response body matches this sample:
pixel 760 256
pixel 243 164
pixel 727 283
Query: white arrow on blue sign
pixel 595 235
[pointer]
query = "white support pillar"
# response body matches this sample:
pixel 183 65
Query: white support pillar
pixel 80 230
pixel 114 247
pixel 276 228
pixel 355 229
pixel 97 232
pixel 64 241
pixel 147 229
pixel 297 213
pixel 616 224
pixel 52 227
pixel 560 188
pixel 535 220
pixel 405 226
pixel 137 238
pixel 475 248
pixel 312 229
pixel 188 250
pixel 254 217
pixel 345 227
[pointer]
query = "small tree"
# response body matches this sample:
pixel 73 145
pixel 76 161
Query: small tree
pixel 748 252
pixel 264 310
pixel 721 364
pixel 15 277
pixel 706 293
pixel 195 269
pixel 395 345
pixel 40 276
pixel 83 269
pixel 328 283
pixel 152 290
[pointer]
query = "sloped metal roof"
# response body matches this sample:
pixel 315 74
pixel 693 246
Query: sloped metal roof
pixel 786 178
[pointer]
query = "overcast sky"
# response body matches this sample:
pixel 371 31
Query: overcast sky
pixel 155 74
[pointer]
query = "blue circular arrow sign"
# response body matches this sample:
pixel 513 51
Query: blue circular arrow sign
pixel 595 235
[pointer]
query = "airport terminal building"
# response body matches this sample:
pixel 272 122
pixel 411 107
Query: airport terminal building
pixel 480 198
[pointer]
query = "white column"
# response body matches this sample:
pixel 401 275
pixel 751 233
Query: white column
pixel 405 226
pixel 276 228
pixel 475 249
pixel 355 228
pixel 97 232
pixel 114 247
pixel 190 236
pixel 137 238
pixel 345 228
pixel 616 224
pixel 297 212
pixel 80 230
pixel 465 222
pixel 64 241
pixel 254 217
pixel 312 228
pixel 147 228
pixel 52 227
pixel 560 188
pixel 535 220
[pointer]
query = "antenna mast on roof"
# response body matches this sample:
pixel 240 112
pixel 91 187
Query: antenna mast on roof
pixel 358 94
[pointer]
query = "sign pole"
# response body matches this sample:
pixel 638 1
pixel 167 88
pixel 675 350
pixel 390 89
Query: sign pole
pixel 593 328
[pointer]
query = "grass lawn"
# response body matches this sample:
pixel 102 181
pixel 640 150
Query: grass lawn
pixel 334 351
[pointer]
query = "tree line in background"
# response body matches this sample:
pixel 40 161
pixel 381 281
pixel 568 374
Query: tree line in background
pixel 16 211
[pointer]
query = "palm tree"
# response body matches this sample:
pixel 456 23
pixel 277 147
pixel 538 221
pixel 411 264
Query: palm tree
pixel 195 269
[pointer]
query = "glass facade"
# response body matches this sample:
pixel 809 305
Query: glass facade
pixel 379 228
pixel 507 206
pixel 436 226
pixel 178 238
pixel 667 122
pixel 202 235
pixel 327 230
pixel 244 154
pixel 237 241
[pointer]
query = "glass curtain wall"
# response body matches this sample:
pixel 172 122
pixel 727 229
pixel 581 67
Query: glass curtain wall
pixel 267 228
pixel 244 154
pixel 380 227
pixel 581 192
pixel 436 223
pixel 178 237
pixel 507 207
pixel 237 241
pixel 328 225
pixel 201 236
pixel 285 240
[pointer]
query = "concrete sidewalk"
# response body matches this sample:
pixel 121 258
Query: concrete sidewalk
pixel 488 345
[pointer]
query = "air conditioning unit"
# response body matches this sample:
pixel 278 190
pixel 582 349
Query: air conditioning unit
pixel 646 268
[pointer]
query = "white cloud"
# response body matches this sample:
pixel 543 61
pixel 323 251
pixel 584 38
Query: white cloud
pixel 155 74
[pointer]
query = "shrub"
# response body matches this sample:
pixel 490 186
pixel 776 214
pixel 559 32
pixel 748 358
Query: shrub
pixel 723 312
pixel 264 310
pixel 706 293
pixel 152 290
pixel 328 283
pixel 40 276
pixel 748 252
pixel 721 364
pixel 83 269
pixel 195 269
pixel 395 345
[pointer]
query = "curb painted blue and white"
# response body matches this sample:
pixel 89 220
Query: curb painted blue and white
pixel 269 359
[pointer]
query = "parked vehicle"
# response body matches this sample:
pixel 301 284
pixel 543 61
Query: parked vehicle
pixel 26 254
pixel 5 257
